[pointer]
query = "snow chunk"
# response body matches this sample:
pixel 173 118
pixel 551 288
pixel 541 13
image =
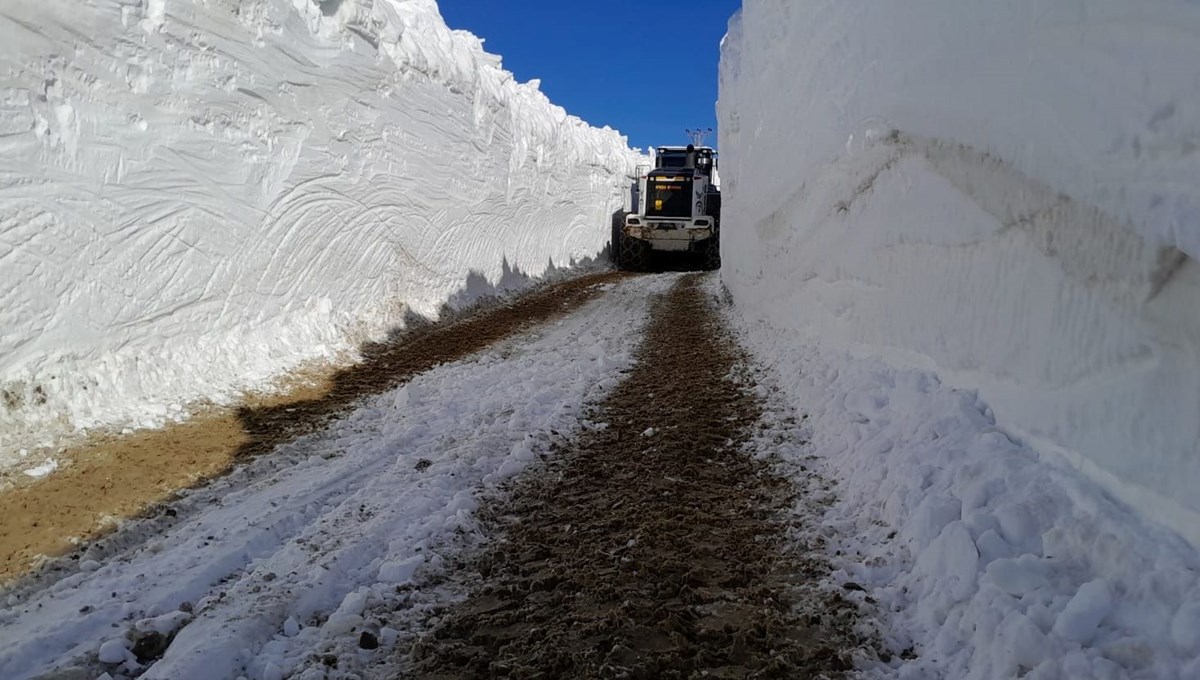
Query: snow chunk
pixel 400 572
pixel 1083 614
pixel 114 651
pixel 340 624
pixel 953 559
pixel 1017 576
pixel 43 469
pixel 166 624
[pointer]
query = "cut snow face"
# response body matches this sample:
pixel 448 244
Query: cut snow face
pixel 297 554
pixel 202 195
pixel 967 249
pixel 924 219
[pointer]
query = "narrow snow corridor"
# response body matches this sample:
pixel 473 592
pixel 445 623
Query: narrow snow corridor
pixel 836 339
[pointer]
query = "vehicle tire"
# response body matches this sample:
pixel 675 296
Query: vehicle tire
pixel 614 245
pixel 634 254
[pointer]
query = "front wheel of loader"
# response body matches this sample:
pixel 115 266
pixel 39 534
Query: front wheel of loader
pixel 634 254
pixel 614 245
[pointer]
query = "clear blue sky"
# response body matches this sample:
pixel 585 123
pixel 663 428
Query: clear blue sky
pixel 648 69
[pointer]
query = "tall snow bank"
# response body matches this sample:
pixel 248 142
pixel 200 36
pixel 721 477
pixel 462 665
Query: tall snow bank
pixel 195 196
pixel 1002 192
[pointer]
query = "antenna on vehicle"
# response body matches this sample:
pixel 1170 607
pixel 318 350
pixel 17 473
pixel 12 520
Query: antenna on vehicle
pixel 698 136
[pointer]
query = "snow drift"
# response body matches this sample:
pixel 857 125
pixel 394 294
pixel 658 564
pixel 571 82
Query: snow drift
pixel 1003 193
pixel 195 196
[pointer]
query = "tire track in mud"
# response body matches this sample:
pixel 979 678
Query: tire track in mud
pixel 132 476
pixel 650 548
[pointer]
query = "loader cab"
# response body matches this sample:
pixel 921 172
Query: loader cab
pixel 703 159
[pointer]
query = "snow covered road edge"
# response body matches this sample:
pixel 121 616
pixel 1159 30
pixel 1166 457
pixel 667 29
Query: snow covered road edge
pixel 981 559
pixel 197 196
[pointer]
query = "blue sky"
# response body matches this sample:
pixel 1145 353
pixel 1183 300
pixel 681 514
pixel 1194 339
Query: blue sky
pixel 648 69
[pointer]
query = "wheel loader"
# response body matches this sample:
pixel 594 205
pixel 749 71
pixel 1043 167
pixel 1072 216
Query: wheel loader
pixel 678 210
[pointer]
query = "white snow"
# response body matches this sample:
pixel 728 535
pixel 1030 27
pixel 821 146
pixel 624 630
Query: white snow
pixel 197 195
pixel 1001 193
pixel 989 559
pixel 965 244
pixel 297 553
pixel 114 651
pixel 42 470
pixel 1085 612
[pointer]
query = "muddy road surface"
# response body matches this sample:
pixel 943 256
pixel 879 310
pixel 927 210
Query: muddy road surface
pixel 651 546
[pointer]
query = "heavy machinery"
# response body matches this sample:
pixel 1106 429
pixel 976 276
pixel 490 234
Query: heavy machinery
pixel 678 209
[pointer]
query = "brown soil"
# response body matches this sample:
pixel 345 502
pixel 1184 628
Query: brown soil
pixel 115 477
pixel 633 554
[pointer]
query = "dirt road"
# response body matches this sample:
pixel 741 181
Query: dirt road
pixel 651 547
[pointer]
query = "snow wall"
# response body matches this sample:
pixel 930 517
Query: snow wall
pixel 196 195
pixel 1007 193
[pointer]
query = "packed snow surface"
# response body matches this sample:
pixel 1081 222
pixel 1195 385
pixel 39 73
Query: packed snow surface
pixel 980 556
pixel 196 195
pixel 298 553
pixel 1001 193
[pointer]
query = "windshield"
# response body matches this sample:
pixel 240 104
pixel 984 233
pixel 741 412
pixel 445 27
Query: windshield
pixel 669 198
pixel 678 159
pixel 672 159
